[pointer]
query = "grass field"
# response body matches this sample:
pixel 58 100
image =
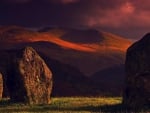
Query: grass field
pixel 70 105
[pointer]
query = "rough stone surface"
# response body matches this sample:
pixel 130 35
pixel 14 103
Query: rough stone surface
pixel 1 85
pixel 4 65
pixel 137 91
pixel 29 80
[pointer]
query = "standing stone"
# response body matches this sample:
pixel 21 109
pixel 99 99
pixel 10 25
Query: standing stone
pixel 1 86
pixel 29 79
pixel 137 91
pixel 4 64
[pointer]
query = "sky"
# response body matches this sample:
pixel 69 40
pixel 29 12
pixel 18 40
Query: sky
pixel 127 18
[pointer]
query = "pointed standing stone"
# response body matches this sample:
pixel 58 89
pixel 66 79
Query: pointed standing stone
pixel 29 79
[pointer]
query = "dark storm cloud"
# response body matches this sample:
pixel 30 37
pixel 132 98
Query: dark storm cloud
pixel 129 18
pixel 64 1
pixel 15 1
pixel 125 17
pixel 141 4
pixel 34 13
pixel 53 1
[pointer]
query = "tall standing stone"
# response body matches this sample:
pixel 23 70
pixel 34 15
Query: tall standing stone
pixel 137 91
pixel 29 79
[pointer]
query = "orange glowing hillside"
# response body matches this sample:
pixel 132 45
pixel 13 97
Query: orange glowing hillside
pixel 88 50
pixel 103 41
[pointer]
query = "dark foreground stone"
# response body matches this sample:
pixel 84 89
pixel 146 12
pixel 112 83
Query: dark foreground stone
pixel 137 91
pixel 29 80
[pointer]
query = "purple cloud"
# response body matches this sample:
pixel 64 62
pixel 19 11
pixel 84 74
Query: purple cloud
pixel 129 18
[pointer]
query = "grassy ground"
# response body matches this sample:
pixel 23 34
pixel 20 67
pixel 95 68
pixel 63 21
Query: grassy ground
pixel 70 105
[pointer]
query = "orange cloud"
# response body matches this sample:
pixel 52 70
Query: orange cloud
pixel 127 8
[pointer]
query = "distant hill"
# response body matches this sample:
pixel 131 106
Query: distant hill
pixel 89 52
pixel 112 78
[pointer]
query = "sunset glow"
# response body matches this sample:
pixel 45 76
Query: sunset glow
pixel 109 44
pixel 128 8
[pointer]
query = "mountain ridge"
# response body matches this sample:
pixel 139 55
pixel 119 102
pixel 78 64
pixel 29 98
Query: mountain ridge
pixel 88 57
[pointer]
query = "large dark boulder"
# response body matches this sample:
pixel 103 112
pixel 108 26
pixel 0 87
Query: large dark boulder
pixel 29 80
pixel 137 91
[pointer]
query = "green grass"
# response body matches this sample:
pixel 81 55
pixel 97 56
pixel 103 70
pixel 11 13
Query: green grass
pixel 70 105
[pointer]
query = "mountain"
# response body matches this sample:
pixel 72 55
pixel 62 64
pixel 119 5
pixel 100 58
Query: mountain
pixel 89 50
pixel 112 78
pixel 86 53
